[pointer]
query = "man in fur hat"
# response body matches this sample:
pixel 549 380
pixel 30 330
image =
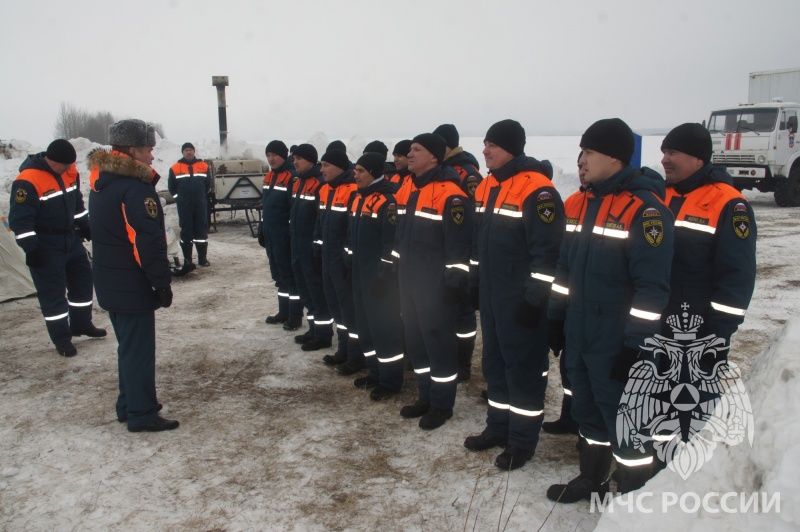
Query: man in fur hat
pixel 131 269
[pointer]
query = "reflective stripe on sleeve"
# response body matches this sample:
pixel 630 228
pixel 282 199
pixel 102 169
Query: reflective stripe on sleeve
pixel 459 266
pixel 26 235
pixel 468 334
pixel 567 392
pixel 370 353
pixel 395 254
pixel 696 227
pixel 474 262
pixel 81 215
pixel 728 310
pixel 644 314
pixel 560 289
pixel 543 277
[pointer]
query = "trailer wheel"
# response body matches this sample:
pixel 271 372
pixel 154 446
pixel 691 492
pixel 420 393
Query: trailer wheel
pixel 787 192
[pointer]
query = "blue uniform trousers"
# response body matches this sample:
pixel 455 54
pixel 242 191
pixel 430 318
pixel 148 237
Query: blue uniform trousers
pixel 136 358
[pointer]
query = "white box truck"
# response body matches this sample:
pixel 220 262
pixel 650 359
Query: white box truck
pixel 757 141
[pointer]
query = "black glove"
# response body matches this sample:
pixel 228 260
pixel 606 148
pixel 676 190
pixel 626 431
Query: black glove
pixel 527 315
pixel 454 296
pixel 317 264
pixel 34 259
pixel 474 297
pixel 261 241
pixel 555 336
pixel 165 296
pixel 623 363
pixel 86 232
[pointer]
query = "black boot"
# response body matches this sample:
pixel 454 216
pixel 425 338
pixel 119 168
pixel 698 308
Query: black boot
pixel 66 349
pixel 631 478
pixel 484 441
pixel 595 461
pixel 419 408
pixel 513 458
pixel 292 324
pixel 91 331
pixel 466 346
pixel 186 248
pixel 303 338
pixel 316 343
pixel 434 419
pixel 559 426
pixel 202 253
pixel 335 359
pixel 276 318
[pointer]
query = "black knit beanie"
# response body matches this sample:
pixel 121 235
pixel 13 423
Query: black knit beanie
pixel 278 148
pixel 509 135
pixel 336 145
pixel 187 145
pixel 612 137
pixel 690 138
pixel 433 143
pixel 402 148
pixel 373 163
pixel 337 158
pixel 377 147
pixel 449 133
pixel 61 151
pixel 307 152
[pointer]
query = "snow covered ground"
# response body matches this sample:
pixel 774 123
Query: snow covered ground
pixel 271 439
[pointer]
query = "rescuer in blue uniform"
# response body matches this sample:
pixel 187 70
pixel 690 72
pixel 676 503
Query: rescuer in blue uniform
pixel 375 289
pixel 520 228
pixel 714 269
pixel 49 220
pixel 131 269
pixel 466 165
pixel 611 286
pixel 434 251
pixel 330 239
pixel 189 182
pixel 307 272
pixel 276 196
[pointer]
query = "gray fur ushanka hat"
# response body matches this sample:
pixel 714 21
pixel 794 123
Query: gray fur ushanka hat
pixel 131 132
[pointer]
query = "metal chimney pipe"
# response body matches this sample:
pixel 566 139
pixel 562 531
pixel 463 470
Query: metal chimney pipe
pixel 220 82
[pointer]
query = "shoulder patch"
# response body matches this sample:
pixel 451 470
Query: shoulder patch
pixel 740 207
pixel 546 210
pixel 653 231
pixel 741 226
pixel 21 195
pixel 544 196
pixel 650 212
pixel 457 211
pixel 151 207
pixel 472 184
pixel 391 214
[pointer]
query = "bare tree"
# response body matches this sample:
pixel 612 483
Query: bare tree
pixel 70 121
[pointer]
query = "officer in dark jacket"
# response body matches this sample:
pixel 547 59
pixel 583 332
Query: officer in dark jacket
pixel 520 228
pixel 276 196
pixel 330 240
pixel 467 167
pixel 189 182
pixel 434 250
pixel 307 272
pixel 48 217
pixel 375 289
pixel 611 285
pixel 131 269
pixel 714 269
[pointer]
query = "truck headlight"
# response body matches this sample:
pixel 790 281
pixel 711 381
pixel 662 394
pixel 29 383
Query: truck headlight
pixel 761 159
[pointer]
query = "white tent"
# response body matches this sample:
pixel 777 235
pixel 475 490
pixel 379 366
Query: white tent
pixel 15 278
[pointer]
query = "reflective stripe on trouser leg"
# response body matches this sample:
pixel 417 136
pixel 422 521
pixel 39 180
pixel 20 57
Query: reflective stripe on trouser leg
pixel 79 288
pixel 50 283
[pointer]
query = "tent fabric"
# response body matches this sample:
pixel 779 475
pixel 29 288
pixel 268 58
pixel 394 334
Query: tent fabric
pixel 15 278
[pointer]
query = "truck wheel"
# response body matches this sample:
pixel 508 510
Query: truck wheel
pixel 787 192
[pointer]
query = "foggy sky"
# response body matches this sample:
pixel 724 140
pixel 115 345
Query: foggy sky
pixel 385 68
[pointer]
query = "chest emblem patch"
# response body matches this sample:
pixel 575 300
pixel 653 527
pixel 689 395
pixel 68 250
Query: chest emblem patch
pixel 547 211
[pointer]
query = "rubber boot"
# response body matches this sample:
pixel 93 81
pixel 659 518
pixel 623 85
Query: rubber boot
pixel 595 462
pixel 466 346
pixel 186 247
pixel 202 252
pixel 631 478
